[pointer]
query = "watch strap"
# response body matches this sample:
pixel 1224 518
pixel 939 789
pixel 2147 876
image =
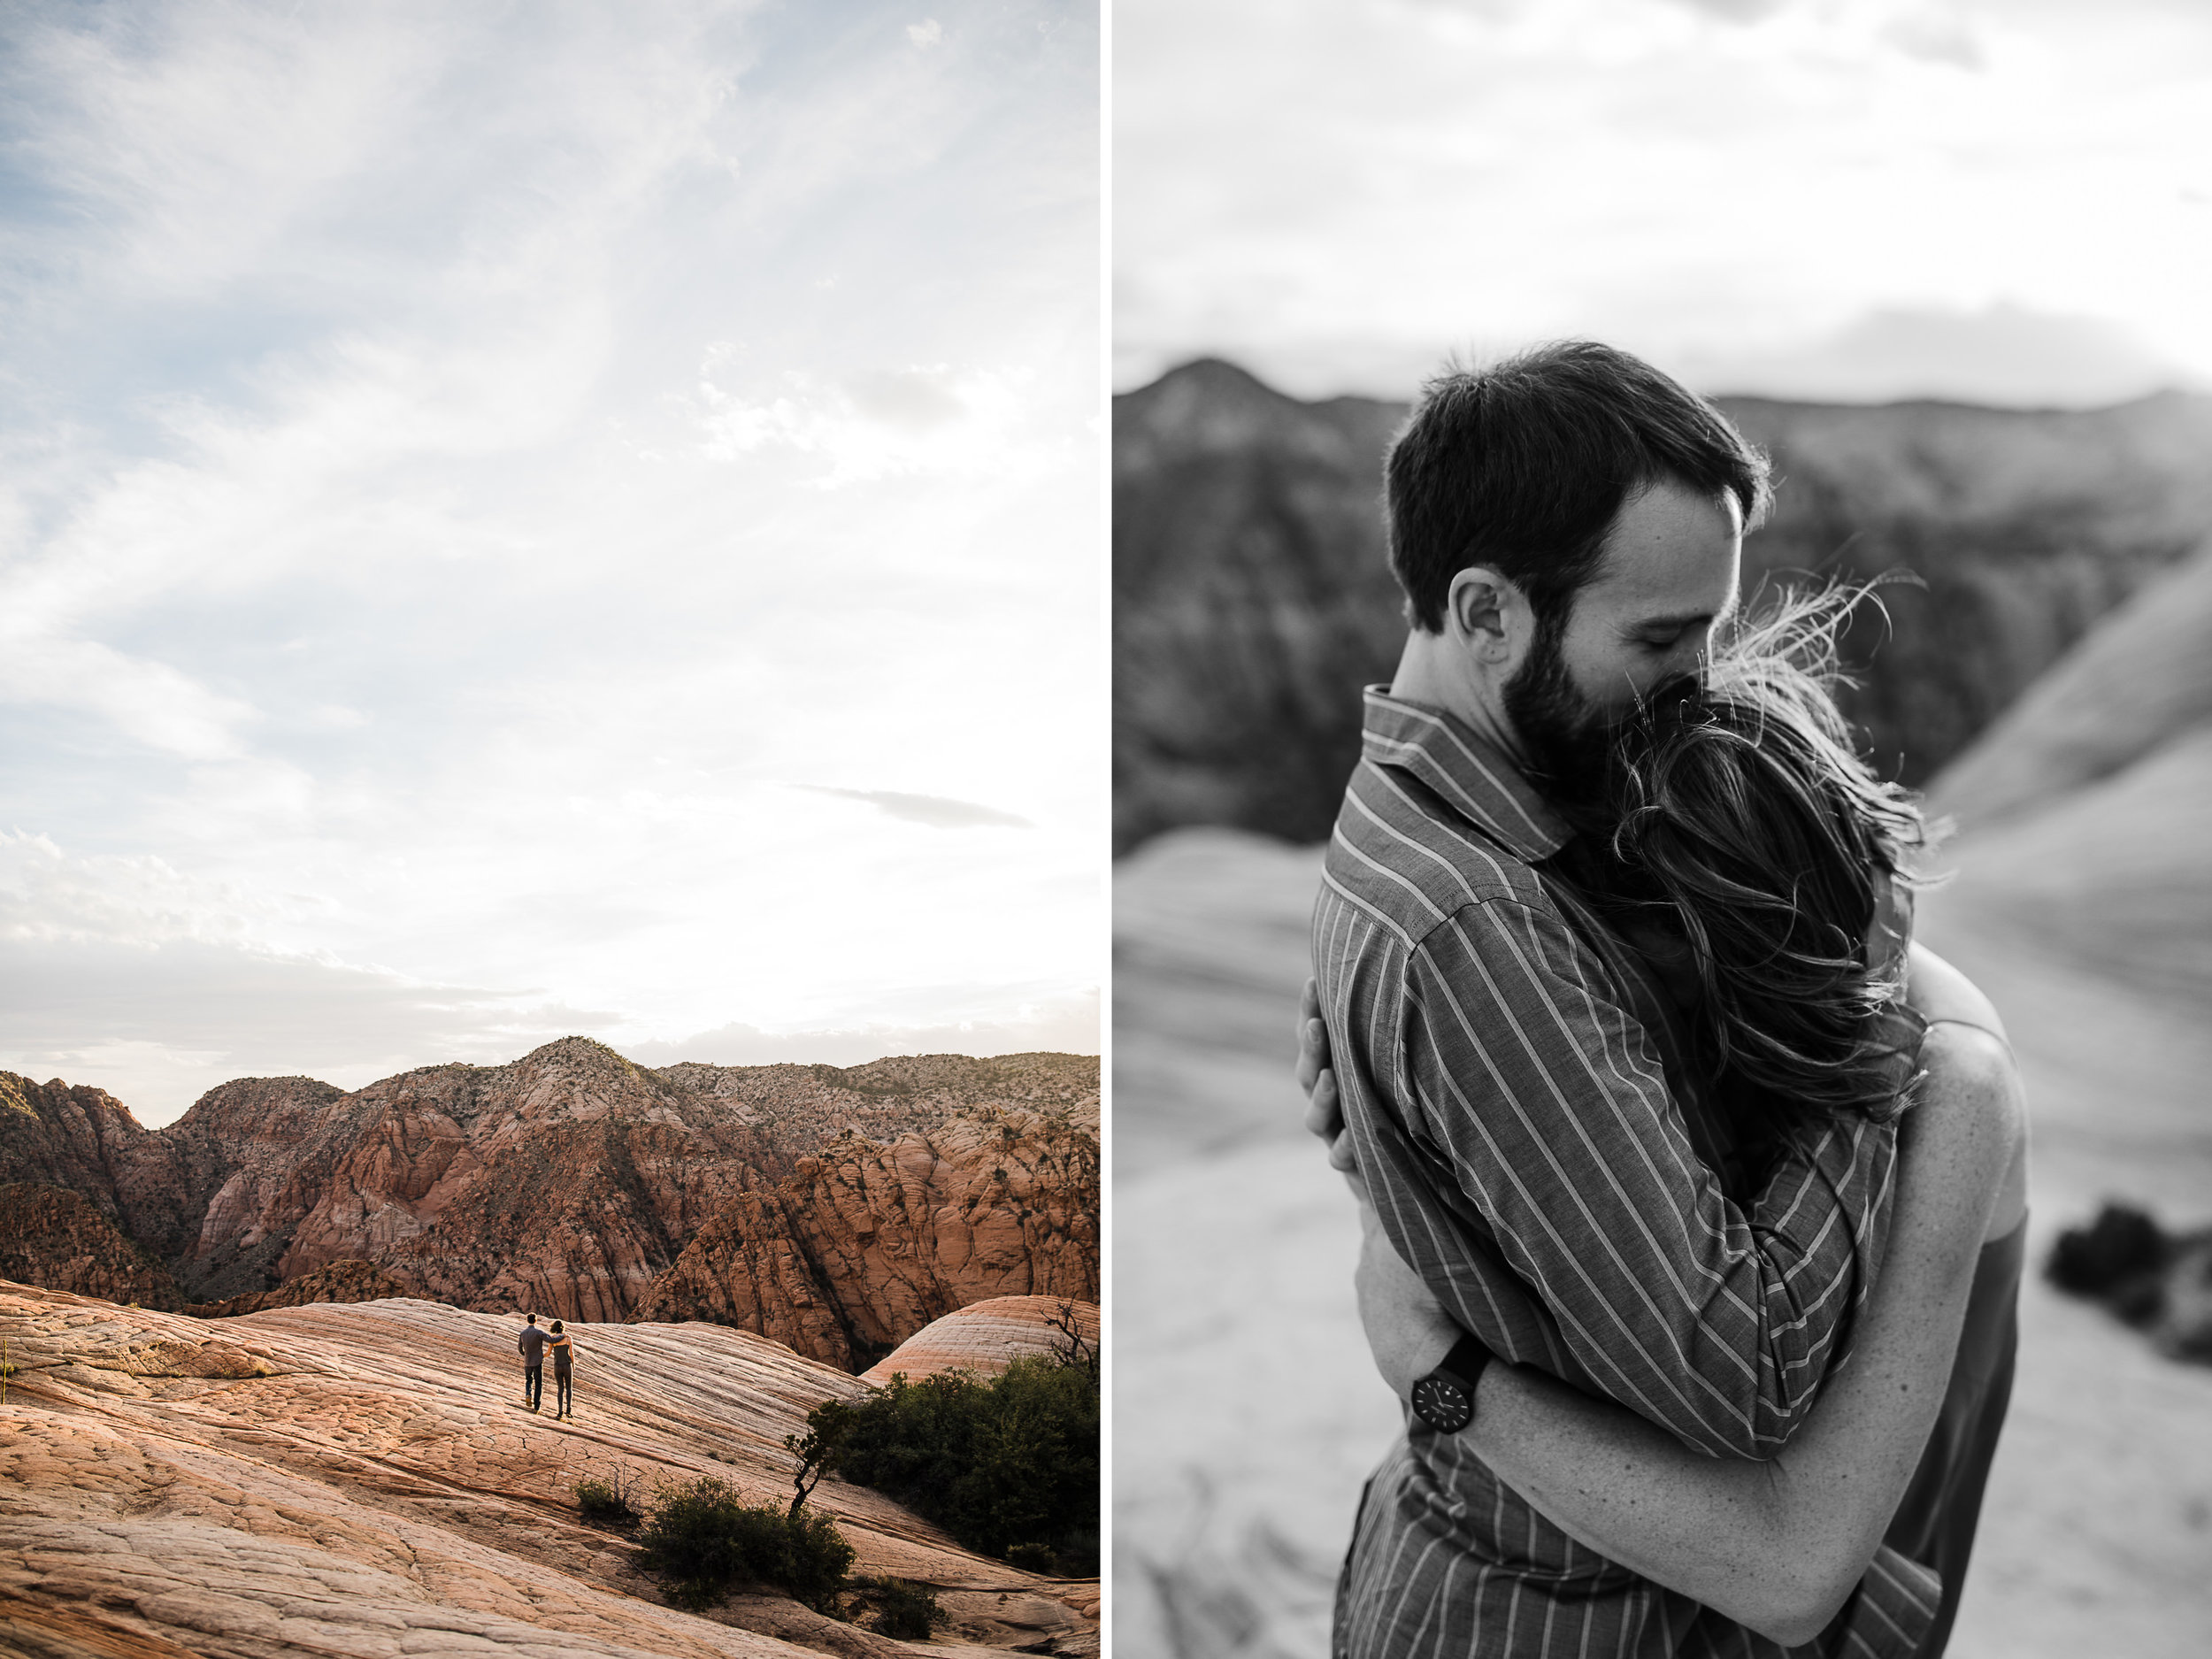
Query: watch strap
pixel 1467 1362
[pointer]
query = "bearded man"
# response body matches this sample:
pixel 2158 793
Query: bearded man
pixel 1567 527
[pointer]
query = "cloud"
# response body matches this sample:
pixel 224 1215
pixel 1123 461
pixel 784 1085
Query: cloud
pixel 1069 1025
pixel 1736 11
pixel 1336 196
pixel 389 623
pixel 158 1026
pixel 937 811
pixel 879 424
pixel 1938 36
pixel 2003 354
pixel 928 32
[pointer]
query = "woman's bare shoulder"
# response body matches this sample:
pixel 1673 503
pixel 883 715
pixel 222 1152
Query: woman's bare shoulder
pixel 1938 991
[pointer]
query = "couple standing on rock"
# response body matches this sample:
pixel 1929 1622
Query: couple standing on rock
pixel 532 1345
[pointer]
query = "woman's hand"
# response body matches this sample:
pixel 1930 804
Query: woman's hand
pixel 1324 1112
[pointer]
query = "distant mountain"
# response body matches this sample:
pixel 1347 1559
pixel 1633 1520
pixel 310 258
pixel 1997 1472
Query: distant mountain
pixel 2086 811
pixel 568 1181
pixel 1252 597
pixel 2142 680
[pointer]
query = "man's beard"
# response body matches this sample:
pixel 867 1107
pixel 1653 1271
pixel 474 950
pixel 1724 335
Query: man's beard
pixel 1567 741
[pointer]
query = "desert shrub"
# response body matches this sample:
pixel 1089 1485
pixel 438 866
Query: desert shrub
pixel 702 1538
pixel 905 1611
pixel 998 1465
pixel 603 1503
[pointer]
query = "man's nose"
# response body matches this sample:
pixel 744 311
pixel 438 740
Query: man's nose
pixel 1682 659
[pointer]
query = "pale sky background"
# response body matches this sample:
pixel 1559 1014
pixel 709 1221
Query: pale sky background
pixel 1849 199
pixel 517 520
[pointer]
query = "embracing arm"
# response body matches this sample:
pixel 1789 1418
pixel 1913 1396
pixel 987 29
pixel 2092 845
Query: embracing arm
pixel 1512 1065
pixel 1779 1545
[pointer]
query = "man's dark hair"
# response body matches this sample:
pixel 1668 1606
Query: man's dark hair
pixel 1523 467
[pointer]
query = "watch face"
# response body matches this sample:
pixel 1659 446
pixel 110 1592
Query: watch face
pixel 1442 1403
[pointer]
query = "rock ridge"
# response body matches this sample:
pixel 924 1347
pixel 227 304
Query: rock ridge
pixel 865 1243
pixel 569 1182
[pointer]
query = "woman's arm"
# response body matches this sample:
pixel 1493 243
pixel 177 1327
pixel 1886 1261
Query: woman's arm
pixel 1777 1544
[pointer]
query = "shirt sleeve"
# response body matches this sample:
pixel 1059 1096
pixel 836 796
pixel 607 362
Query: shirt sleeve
pixel 1548 1098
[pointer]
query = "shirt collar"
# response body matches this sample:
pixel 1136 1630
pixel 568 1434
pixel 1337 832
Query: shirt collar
pixel 1467 772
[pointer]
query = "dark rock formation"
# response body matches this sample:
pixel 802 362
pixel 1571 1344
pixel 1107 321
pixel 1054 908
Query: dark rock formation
pixel 52 1236
pixel 2158 1281
pixel 1252 597
pixel 340 1281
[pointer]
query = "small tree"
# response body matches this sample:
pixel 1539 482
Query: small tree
pixel 828 1428
pixel 1079 1353
pixel 609 1499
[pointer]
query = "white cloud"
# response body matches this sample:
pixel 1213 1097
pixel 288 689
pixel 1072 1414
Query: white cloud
pixel 928 32
pixel 1338 196
pixel 938 811
pixel 885 423
pixel 386 609
pixel 2001 354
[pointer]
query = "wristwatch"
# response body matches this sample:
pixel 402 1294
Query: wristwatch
pixel 1445 1399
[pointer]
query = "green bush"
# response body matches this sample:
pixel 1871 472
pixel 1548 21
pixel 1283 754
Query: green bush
pixel 905 1611
pixel 702 1540
pixel 604 1503
pixel 1000 1464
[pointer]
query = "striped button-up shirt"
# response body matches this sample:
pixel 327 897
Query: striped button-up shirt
pixel 1510 1076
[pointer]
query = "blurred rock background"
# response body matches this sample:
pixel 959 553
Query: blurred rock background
pixel 2045 674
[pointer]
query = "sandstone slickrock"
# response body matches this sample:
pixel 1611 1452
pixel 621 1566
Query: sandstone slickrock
pixel 987 1337
pixel 864 1244
pixel 567 1181
pixel 60 1238
pixel 1252 597
pixel 361 1479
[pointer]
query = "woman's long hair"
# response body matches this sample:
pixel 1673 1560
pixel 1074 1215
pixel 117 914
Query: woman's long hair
pixel 1758 837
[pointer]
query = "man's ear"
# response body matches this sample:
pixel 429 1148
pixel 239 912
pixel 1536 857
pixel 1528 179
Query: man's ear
pixel 1487 612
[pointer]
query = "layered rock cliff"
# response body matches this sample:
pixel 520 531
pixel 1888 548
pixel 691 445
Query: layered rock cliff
pixel 59 1134
pixel 865 1243
pixel 572 1180
pixel 1252 597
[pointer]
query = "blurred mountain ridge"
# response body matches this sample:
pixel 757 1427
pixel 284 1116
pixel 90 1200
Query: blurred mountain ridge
pixel 1253 597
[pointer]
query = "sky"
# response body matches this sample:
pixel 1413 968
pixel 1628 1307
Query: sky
pixel 524 520
pixel 1855 200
